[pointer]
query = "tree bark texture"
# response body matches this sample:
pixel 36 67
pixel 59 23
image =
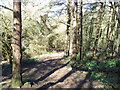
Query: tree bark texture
pixel 67 49
pixel 16 45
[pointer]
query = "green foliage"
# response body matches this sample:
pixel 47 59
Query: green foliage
pixel 51 41
pixel 6 49
pixel 106 71
pixel 6 29
pixel 107 79
pixel 39 37
pixel 55 42
pixel 106 65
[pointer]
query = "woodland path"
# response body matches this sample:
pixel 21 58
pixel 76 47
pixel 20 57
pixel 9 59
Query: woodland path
pixel 51 71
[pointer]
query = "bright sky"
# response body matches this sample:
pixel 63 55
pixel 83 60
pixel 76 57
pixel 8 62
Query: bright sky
pixel 39 4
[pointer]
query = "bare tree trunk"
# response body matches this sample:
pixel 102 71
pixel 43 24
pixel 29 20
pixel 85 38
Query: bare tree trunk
pixel 90 33
pixel 16 45
pixel 112 38
pixel 67 49
pixel 76 22
pixel 81 30
pixel 117 14
pixel 118 27
pixel 107 35
pixel 113 32
pixel 75 33
pixel 98 29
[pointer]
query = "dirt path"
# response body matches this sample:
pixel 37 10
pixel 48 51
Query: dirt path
pixel 53 72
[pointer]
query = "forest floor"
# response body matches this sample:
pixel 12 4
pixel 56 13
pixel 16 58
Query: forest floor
pixel 51 71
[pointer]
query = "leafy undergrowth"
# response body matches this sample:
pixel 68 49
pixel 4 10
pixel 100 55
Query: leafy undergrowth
pixel 106 71
pixel 109 80
pixel 105 66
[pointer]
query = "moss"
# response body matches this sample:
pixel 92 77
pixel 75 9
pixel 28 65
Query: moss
pixel 16 83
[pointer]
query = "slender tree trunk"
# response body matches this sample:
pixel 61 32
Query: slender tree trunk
pixel 67 49
pixel 81 31
pixel 112 30
pixel 117 35
pixel 98 29
pixel 112 37
pixel 118 28
pixel 107 35
pixel 75 30
pixel 90 35
pixel 77 24
pixel 75 33
pixel 16 45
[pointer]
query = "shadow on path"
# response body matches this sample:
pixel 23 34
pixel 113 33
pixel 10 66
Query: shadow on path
pixel 80 86
pixel 42 69
pixel 48 74
pixel 45 86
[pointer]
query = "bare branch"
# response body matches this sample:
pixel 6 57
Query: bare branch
pixel 6 7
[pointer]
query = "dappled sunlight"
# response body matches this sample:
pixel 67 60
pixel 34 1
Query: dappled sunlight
pixel 60 44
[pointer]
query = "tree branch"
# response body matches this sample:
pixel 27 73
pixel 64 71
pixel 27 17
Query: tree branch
pixel 6 7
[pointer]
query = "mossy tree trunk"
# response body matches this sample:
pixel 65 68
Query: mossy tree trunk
pixel 16 45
